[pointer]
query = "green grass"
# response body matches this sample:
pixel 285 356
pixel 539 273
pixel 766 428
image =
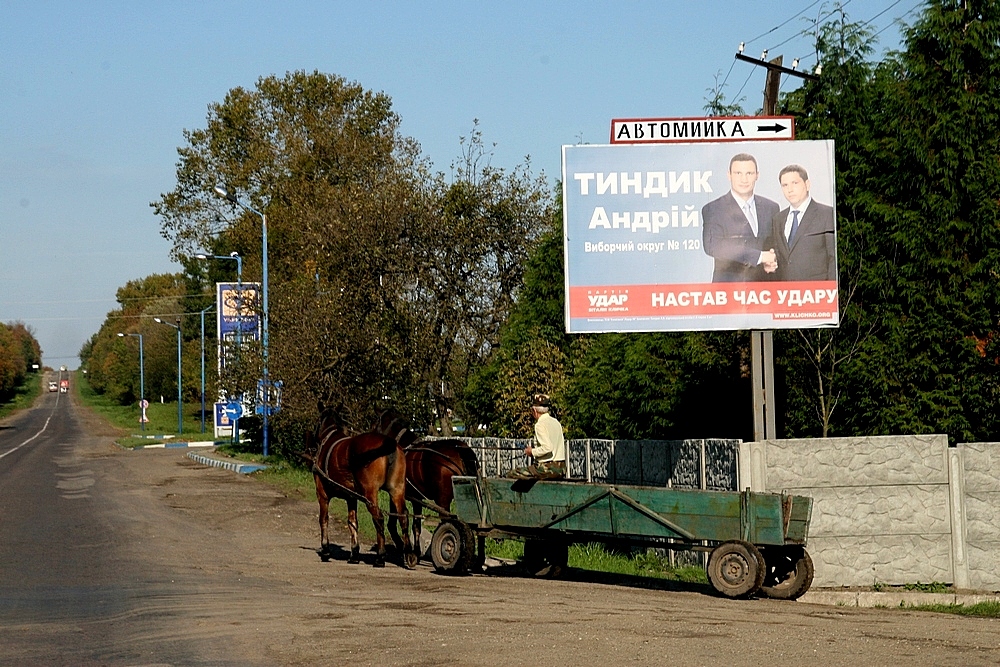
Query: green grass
pixel 595 557
pixel 23 396
pixel 932 587
pixel 642 563
pixel 981 609
pixel 162 417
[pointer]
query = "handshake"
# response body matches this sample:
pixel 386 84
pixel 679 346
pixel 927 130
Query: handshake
pixel 769 260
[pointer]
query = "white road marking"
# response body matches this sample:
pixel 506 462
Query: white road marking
pixel 11 451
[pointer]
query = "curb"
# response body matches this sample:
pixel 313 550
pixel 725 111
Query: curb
pixel 894 598
pixel 235 466
pixel 177 445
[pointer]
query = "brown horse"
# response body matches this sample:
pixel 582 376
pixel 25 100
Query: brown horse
pixel 356 468
pixel 430 465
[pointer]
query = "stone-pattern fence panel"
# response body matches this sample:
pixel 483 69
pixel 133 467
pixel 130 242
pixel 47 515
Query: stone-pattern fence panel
pixel 886 509
pixel 981 496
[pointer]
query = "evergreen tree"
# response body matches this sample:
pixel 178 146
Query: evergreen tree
pixel 936 251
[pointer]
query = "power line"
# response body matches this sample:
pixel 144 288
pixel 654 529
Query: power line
pixel 744 85
pixel 130 299
pixel 884 11
pixel 785 22
pixel 731 66
pixel 822 17
pixel 897 20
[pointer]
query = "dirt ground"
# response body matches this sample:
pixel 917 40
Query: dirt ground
pixel 245 560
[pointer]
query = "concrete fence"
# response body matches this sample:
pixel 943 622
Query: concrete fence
pixel 891 509
pixel 887 509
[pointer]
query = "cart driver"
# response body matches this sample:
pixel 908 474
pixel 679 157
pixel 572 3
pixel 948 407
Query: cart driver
pixel 549 448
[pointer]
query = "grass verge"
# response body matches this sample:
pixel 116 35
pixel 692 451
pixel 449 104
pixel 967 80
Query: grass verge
pixel 981 609
pixel 23 396
pixel 162 425
pixel 596 557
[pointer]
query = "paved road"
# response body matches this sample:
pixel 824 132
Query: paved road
pixel 71 590
pixel 119 558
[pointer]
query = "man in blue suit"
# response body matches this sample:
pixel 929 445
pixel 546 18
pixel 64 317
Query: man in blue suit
pixel 737 226
pixel 804 236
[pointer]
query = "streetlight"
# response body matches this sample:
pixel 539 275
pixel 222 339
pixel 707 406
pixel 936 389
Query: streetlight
pixel 180 422
pixel 205 310
pixel 266 407
pixel 142 379
pixel 239 296
pixel 232 255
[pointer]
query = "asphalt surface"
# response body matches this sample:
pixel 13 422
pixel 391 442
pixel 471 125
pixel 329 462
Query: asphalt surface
pixel 71 590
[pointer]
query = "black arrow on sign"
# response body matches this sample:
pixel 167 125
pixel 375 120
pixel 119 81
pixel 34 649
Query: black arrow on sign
pixel 771 128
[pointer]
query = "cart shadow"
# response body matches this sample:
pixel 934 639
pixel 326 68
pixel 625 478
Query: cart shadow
pixel 578 575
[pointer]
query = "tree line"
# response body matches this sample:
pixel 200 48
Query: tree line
pixel 20 354
pixel 441 295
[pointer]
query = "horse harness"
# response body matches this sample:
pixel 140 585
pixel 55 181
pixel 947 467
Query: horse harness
pixel 326 463
pixel 423 499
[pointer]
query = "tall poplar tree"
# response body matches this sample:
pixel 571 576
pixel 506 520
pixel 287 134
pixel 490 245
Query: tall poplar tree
pixel 936 245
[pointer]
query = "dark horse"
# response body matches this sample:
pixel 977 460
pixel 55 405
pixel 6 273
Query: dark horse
pixel 356 468
pixel 430 465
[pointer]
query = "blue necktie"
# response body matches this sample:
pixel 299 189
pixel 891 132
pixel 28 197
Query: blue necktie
pixel 795 226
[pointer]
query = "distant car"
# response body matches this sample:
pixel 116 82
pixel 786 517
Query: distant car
pixel 53 386
pixel 63 390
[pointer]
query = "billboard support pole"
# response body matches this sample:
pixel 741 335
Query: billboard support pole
pixel 762 342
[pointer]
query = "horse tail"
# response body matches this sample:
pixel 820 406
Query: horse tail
pixel 386 448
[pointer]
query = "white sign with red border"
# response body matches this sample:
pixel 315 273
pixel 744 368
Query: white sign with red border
pixel 692 130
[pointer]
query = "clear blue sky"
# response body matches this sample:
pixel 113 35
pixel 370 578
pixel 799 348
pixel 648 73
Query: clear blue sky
pixel 95 96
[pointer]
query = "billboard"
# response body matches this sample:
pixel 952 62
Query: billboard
pixel 238 322
pixel 658 237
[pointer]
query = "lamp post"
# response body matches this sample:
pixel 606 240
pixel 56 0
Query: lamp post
pixel 239 300
pixel 205 310
pixel 232 255
pixel 180 421
pixel 142 379
pixel 266 407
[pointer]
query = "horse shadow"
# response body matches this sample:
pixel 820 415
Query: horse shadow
pixel 336 552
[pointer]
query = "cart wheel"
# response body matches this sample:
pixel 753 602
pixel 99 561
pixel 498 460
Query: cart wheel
pixel 788 572
pixel 545 558
pixel 453 548
pixel 736 569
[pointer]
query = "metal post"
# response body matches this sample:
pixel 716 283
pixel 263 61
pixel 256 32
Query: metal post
pixel 762 342
pixel 142 379
pixel 142 386
pixel 203 366
pixel 266 380
pixel 180 405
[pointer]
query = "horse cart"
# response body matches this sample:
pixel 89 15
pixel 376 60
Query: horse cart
pixel 756 541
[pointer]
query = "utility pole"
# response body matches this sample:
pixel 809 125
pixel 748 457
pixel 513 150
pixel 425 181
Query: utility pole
pixel 762 342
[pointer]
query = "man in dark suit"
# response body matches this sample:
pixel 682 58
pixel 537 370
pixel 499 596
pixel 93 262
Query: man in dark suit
pixel 736 226
pixel 804 237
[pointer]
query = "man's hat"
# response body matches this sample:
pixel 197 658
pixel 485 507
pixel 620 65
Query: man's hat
pixel 541 401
